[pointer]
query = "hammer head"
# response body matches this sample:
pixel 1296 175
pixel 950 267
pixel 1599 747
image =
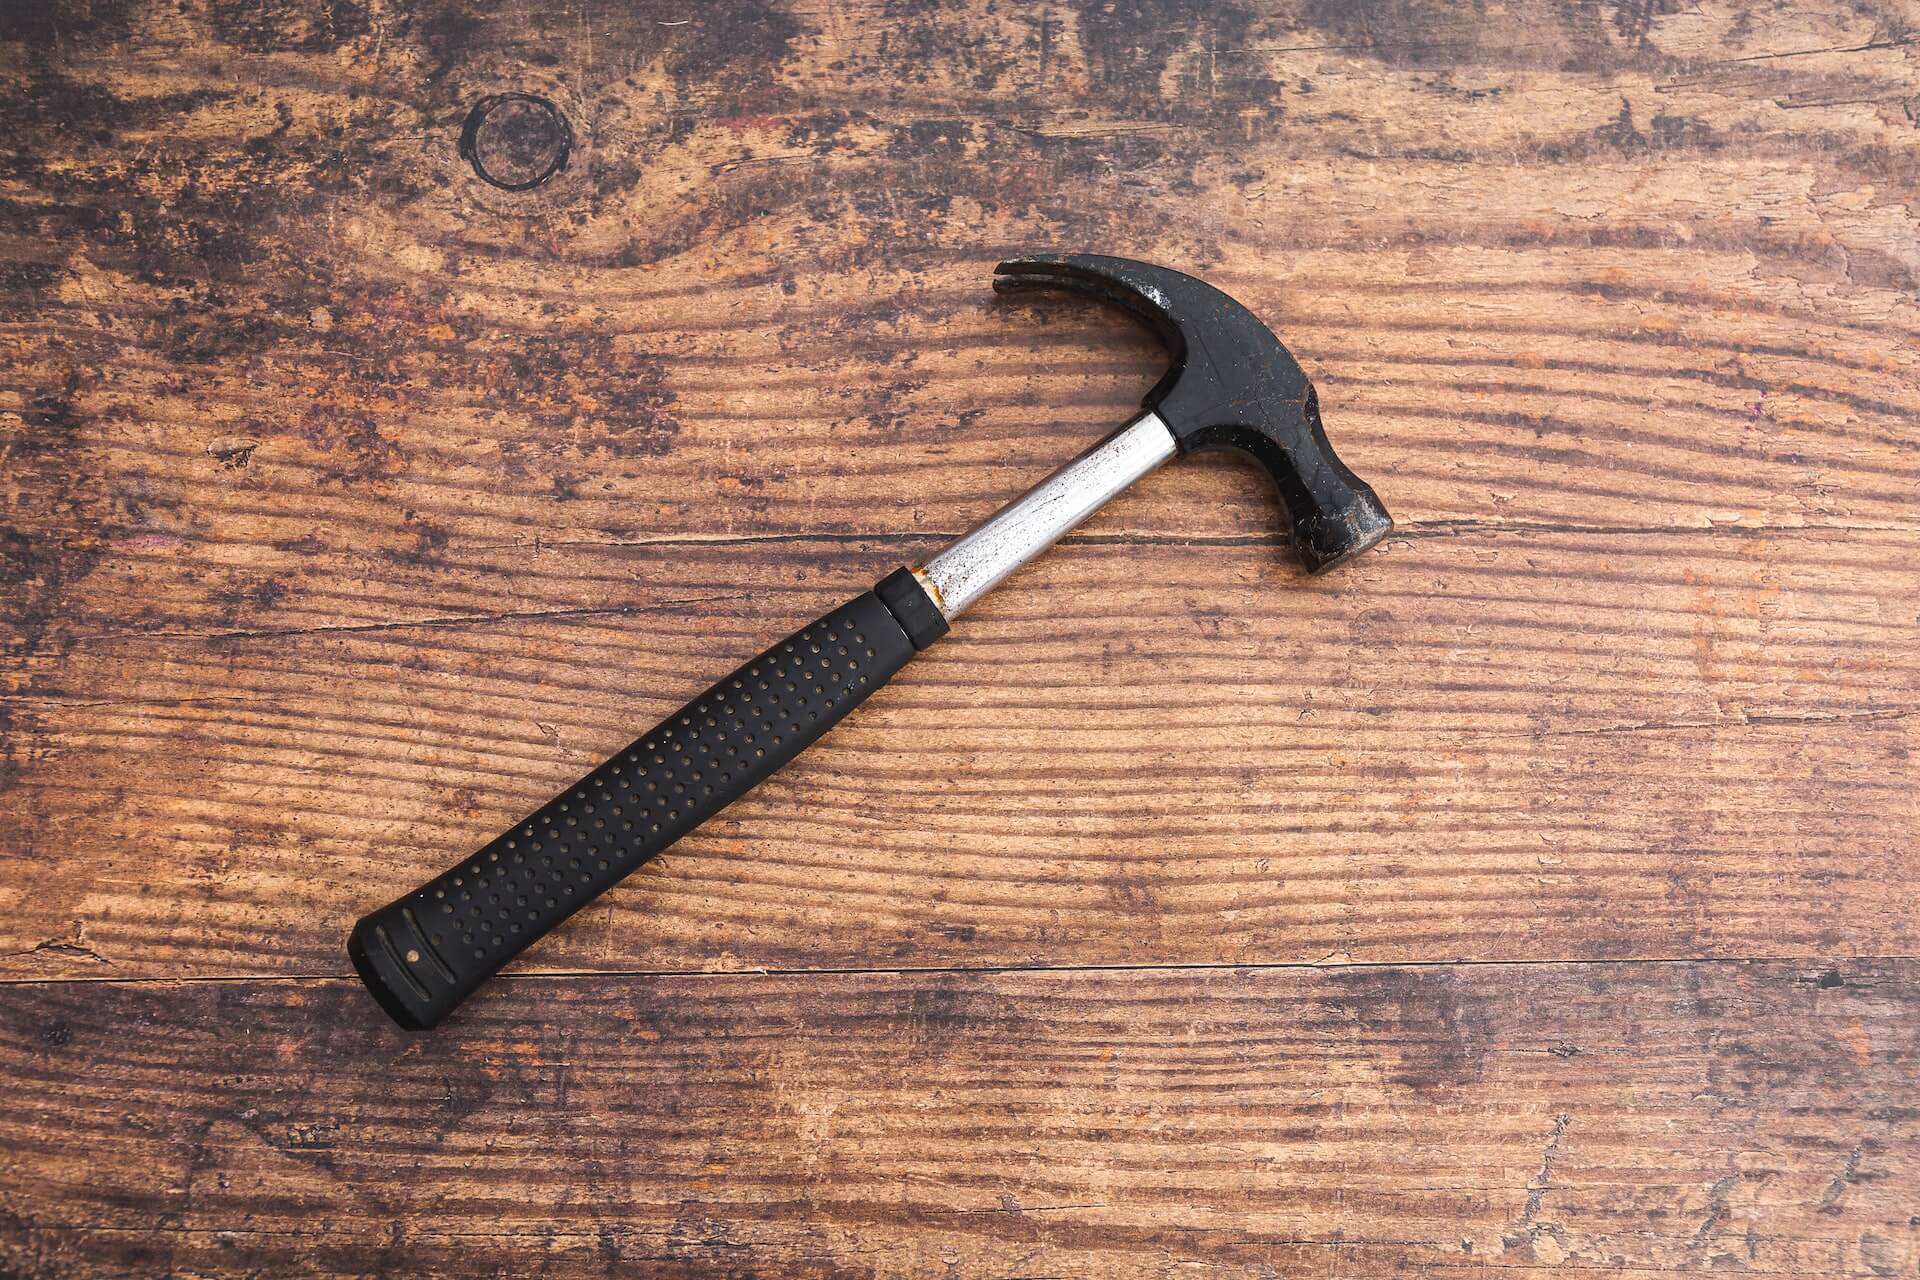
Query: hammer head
pixel 1232 386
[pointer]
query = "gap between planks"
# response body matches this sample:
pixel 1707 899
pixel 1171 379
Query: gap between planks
pixel 1835 964
pixel 1407 531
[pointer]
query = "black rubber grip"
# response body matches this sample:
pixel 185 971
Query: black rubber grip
pixel 422 955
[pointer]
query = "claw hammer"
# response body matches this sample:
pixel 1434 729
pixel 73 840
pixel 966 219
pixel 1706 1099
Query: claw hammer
pixel 1231 385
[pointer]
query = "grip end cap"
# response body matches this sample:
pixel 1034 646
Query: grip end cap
pixel 376 958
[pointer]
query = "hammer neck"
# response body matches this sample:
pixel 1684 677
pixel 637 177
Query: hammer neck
pixel 1031 523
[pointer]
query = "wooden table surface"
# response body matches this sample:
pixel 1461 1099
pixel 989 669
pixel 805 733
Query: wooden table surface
pixel 1535 894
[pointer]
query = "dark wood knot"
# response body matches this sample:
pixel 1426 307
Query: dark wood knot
pixel 516 141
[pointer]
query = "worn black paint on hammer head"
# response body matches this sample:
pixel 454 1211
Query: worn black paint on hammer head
pixel 1232 385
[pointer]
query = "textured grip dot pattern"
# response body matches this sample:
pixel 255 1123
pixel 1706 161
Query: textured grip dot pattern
pixel 423 954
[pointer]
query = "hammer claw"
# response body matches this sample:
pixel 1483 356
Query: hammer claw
pixel 1032 275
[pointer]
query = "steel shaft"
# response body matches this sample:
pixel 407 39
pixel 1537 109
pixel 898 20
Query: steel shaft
pixel 983 558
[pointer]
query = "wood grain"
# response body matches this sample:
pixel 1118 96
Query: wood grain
pixel 1449 1121
pixel 352 505
pixel 1136 755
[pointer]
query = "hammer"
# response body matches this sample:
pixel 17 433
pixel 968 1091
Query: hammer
pixel 1231 385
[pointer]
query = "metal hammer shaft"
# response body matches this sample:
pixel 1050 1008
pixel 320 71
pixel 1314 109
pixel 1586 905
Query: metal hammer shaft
pixel 983 558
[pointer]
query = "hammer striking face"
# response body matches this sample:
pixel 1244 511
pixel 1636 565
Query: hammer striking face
pixel 1232 385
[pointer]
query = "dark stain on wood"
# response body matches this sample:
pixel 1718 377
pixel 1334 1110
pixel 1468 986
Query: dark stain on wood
pixel 725 1126
pixel 289 26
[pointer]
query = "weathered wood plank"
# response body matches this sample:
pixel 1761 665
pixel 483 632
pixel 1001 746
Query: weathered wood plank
pixel 1641 1119
pixel 1549 269
pixel 1568 744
